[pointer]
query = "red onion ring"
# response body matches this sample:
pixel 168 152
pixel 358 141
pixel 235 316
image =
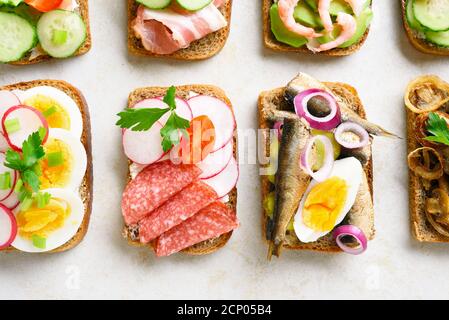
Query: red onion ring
pixel 328 122
pixel 328 164
pixel 355 233
pixel 278 127
pixel 354 128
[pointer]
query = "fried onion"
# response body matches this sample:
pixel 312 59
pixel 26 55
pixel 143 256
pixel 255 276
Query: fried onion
pixel 426 93
pixel 422 160
pixel 437 211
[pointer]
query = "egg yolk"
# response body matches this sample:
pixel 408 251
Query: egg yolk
pixel 43 221
pixel 324 204
pixel 56 175
pixel 55 114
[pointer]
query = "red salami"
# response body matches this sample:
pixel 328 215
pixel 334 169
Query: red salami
pixel 212 221
pixel 153 186
pixel 176 210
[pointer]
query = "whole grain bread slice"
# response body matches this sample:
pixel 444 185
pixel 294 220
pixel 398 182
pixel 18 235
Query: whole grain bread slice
pixel 271 42
pixel 275 99
pixel 84 12
pixel 211 245
pixel 198 50
pixel 419 43
pixel 86 188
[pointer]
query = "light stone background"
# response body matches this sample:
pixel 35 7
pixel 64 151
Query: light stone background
pixel 104 266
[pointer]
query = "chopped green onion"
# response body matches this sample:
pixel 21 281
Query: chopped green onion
pixel 59 37
pixel 42 132
pixel 5 181
pixel 43 199
pixel 26 203
pixel 39 242
pixel 49 111
pixel 19 185
pixel 12 125
pixel 55 159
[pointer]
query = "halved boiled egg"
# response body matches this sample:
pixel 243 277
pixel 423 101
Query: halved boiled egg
pixel 51 226
pixel 59 109
pixel 65 161
pixel 325 204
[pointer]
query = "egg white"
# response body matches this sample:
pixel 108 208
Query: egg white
pixel 78 154
pixel 62 235
pixel 65 101
pixel 348 169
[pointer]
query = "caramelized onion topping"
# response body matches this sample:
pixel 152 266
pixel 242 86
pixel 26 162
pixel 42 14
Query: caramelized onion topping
pixel 426 163
pixel 426 93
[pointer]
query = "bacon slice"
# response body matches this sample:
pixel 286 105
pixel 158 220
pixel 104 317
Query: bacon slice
pixel 166 31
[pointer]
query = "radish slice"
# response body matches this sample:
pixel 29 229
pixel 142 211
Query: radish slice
pixel 144 147
pixel 182 108
pixel 4 146
pixel 219 113
pixel 7 100
pixel 12 201
pixel 13 174
pixel 30 120
pixel 216 161
pixel 226 180
pixel 8 227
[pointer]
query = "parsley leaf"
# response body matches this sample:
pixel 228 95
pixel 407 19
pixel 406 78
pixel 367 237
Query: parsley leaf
pixel 438 128
pixel 170 132
pixel 140 119
pixel 170 98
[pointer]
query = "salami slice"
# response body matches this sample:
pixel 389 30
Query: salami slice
pixel 176 210
pixel 212 221
pixel 153 186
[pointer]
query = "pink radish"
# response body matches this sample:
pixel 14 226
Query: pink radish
pixel 30 120
pixel 226 180
pixel 7 100
pixel 144 147
pixel 12 201
pixel 8 227
pixel 4 146
pixel 13 174
pixel 182 108
pixel 216 161
pixel 219 113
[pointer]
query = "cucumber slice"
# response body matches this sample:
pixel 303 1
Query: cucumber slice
pixel 17 37
pixel 411 20
pixel 439 38
pixel 432 14
pixel 61 33
pixel 193 5
pixel 306 16
pixel 155 4
pixel 281 33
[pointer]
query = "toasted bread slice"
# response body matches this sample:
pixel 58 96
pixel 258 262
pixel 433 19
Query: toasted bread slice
pixel 84 12
pixel 271 42
pixel 211 245
pixel 86 188
pixel 198 50
pixel 419 43
pixel 275 99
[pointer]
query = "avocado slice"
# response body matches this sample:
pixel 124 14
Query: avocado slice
pixel 281 33
pixel 335 7
pixel 306 16
pixel 363 22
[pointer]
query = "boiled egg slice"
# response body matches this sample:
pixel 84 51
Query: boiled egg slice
pixel 58 108
pixel 65 161
pixel 47 228
pixel 325 204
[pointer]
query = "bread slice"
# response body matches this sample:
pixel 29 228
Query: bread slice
pixel 420 44
pixel 84 12
pixel 271 42
pixel 211 245
pixel 86 189
pixel 198 50
pixel 275 99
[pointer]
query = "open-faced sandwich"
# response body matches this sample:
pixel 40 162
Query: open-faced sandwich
pixel 45 167
pixel 330 27
pixel 33 31
pixel 426 23
pixel 427 102
pixel 181 145
pixel 317 177
pixel 178 29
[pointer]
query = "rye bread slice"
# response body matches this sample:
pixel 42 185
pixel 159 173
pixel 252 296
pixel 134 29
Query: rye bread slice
pixel 271 42
pixel 269 99
pixel 419 43
pixel 86 188
pixel 198 50
pixel 211 245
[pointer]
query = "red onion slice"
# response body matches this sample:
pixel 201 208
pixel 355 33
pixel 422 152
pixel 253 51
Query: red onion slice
pixel 355 130
pixel 324 172
pixel 356 234
pixel 278 127
pixel 328 122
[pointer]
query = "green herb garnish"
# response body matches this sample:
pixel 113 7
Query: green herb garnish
pixel 12 125
pixel 55 159
pixel 42 199
pixel 5 181
pixel 49 111
pixel 143 119
pixel 438 129
pixel 39 242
